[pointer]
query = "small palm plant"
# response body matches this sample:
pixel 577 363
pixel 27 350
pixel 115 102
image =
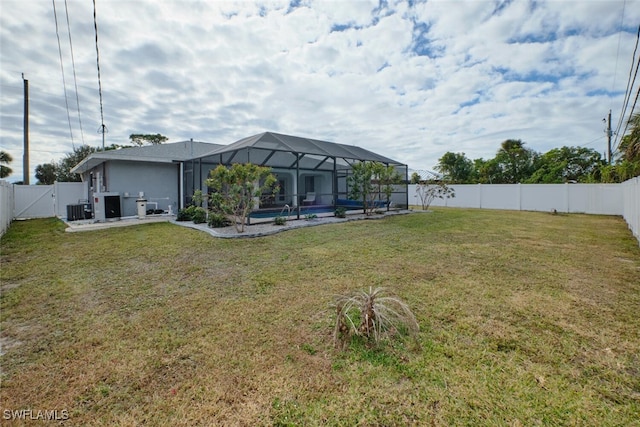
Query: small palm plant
pixel 372 315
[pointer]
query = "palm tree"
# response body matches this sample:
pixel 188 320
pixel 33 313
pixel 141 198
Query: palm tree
pixel 515 160
pixel 630 143
pixel 5 159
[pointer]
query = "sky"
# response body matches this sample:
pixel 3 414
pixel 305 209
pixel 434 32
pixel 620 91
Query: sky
pixel 408 80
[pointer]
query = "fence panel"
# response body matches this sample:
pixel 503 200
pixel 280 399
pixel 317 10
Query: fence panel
pixel 544 197
pixel 631 205
pixel 6 206
pixel 69 193
pixel 33 201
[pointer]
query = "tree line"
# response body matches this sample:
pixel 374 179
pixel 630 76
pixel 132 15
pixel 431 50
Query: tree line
pixel 516 163
pixel 60 171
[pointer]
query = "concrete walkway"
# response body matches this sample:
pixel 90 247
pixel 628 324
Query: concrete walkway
pixel 256 230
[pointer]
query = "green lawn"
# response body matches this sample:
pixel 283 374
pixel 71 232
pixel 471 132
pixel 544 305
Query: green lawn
pixel 526 319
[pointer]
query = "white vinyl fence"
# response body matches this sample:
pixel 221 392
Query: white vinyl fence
pixel 45 201
pixel 69 193
pixel 33 201
pixel 41 201
pixel 601 199
pixel 6 206
pixel 631 204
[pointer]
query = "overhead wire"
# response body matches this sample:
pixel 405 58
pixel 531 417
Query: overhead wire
pixel 615 68
pixel 632 108
pixel 591 142
pixel 627 95
pixel 64 83
pixel 73 64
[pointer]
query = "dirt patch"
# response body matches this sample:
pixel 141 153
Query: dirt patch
pixel 7 344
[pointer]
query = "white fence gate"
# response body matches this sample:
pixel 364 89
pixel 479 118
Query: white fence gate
pixel 33 201
pixel 45 201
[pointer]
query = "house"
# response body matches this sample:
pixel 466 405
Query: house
pixel 309 171
pixel 155 171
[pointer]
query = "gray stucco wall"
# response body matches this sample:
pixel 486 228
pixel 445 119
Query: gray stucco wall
pixel 158 181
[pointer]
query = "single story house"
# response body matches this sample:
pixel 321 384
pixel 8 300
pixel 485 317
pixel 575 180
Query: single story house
pixel 309 171
pixel 153 171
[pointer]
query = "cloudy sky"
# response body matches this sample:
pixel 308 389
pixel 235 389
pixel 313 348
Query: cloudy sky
pixel 410 80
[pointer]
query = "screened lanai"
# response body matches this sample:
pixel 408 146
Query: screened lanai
pixel 310 172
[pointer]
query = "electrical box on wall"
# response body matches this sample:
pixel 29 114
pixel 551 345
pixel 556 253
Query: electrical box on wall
pixel 106 206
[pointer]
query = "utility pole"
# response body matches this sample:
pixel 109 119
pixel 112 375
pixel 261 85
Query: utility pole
pixel 609 134
pixel 25 157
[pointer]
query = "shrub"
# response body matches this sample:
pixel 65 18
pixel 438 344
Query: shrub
pixel 341 212
pixel 199 215
pixel 280 220
pixel 218 220
pixel 373 316
pixel 427 191
pixel 186 214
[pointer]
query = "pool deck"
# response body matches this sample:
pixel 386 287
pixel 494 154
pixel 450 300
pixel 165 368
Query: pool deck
pixel 253 230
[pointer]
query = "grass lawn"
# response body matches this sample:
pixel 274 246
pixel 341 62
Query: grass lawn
pixel 526 319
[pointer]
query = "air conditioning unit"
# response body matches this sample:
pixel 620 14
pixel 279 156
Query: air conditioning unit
pixel 106 207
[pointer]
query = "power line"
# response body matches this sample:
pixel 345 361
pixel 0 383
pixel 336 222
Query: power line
pixel 64 83
pixel 632 108
pixel 630 84
pixel 103 128
pixel 73 64
pixel 591 142
pixel 615 69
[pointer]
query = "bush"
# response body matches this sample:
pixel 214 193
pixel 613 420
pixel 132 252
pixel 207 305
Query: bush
pixel 280 220
pixel 218 220
pixel 199 215
pixel 341 212
pixel 186 214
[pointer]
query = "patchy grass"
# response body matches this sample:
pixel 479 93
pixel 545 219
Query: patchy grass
pixel 525 319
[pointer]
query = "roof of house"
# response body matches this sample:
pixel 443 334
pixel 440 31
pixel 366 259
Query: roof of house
pixel 161 153
pixel 295 144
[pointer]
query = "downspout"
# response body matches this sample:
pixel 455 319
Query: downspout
pixel 406 188
pixel 103 188
pixel 181 186
pixel 297 183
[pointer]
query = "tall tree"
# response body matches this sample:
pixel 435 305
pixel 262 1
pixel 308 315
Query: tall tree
pixel 140 139
pixel 566 164
pixel 46 174
pixel 488 171
pixel 516 162
pixel 456 168
pixel 63 173
pixel 630 143
pixel 5 159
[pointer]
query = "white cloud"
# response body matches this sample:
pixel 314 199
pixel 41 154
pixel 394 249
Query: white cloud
pixel 408 82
